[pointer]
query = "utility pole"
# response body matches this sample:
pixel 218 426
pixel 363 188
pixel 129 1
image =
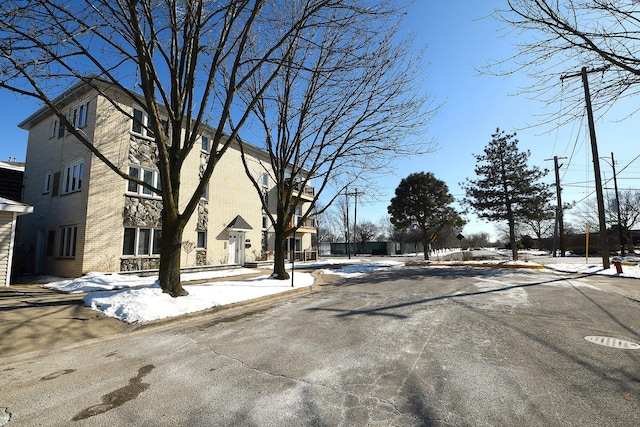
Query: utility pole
pixel 604 243
pixel 559 214
pixel 615 186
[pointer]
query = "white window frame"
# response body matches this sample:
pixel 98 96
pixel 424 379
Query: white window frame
pixel 204 240
pixel 54 127
pixel 143 173
pixel 80 115
pixel 72 177
pixel 205 143
pixel 48 180
pixel 151 242
pixel 265 180
pixel 145 129
pixel 67 243
pixel 205 193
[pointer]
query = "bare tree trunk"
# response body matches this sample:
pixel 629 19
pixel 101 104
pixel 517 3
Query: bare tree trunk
pixel 169 275
pixel 279 271
pixel 512 238
pixel 425 243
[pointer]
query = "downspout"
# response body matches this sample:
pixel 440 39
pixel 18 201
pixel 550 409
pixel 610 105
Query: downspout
pixel 11 246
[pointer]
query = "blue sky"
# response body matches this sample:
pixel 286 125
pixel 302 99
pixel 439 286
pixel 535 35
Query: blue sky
pixel 461 37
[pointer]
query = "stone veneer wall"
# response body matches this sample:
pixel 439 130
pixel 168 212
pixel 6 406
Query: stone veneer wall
pixel 141 211
pixel 203 213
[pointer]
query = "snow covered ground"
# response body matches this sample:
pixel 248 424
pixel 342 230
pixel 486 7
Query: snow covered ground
pixel 134 299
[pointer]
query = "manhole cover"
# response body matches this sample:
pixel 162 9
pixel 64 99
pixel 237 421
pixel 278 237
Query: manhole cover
pixel 613 342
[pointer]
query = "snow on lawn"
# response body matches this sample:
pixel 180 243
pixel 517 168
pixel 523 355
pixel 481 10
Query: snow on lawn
pixel 629 271
pixel 106 282
pixel 150 303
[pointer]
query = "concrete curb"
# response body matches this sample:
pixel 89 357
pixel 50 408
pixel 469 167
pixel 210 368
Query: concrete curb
pixel 472 264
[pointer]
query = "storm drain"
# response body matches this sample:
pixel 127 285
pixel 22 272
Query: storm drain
pixel 613 342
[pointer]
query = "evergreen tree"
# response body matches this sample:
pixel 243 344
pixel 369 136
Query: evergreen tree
pixel 506 188
pixel 422 201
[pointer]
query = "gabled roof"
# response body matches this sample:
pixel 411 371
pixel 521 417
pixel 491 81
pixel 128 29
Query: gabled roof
pixel 7 205
pixel 239 224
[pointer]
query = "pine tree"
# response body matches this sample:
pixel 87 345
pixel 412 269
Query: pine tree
pixel 506 188
pixel 422 201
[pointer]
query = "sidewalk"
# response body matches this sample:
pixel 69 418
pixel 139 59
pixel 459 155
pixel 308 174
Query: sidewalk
pixel 33 318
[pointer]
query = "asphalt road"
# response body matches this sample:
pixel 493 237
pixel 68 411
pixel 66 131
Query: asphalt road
pixel 420 346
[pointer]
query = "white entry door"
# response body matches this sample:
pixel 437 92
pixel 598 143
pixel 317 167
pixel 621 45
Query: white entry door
pixel 236 248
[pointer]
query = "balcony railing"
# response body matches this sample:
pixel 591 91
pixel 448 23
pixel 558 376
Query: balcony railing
pixel 302 256
pixel 307 225
pixel 304 191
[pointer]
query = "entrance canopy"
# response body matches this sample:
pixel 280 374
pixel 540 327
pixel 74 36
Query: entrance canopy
pixel 239 224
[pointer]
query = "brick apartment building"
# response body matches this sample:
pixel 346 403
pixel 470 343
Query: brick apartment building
pixel 87 218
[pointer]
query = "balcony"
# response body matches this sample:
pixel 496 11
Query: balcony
pixel 305 192
pixel 308 226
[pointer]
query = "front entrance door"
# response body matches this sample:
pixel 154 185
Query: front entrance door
pixel 294 248
pixel 39 255
pixel 236 247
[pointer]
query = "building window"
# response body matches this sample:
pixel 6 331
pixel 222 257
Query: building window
pixel 149 176
pixel 47 182
pixel 202 240
pixel 54 127
pixel 265 180
pixel 72 180
pixel 205 143
pixel 60 130
pixel 137 121
pixel 142 127
pixel 80 115
pixel 265 222
pixel 205 193
pixel 144 241
pixel 156 241
pixel 67 247
pixel 141 241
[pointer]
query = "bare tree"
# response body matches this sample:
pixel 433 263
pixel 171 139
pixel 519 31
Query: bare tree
pixel 188 59
pixel 629 201
pixel 365 231
pixel 559 37
pixel 385 228
pixel 348 102
pixel 479 240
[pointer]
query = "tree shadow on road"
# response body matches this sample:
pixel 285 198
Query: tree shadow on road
pixel 441 273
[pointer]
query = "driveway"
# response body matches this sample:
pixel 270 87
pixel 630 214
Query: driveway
pixel 419 346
